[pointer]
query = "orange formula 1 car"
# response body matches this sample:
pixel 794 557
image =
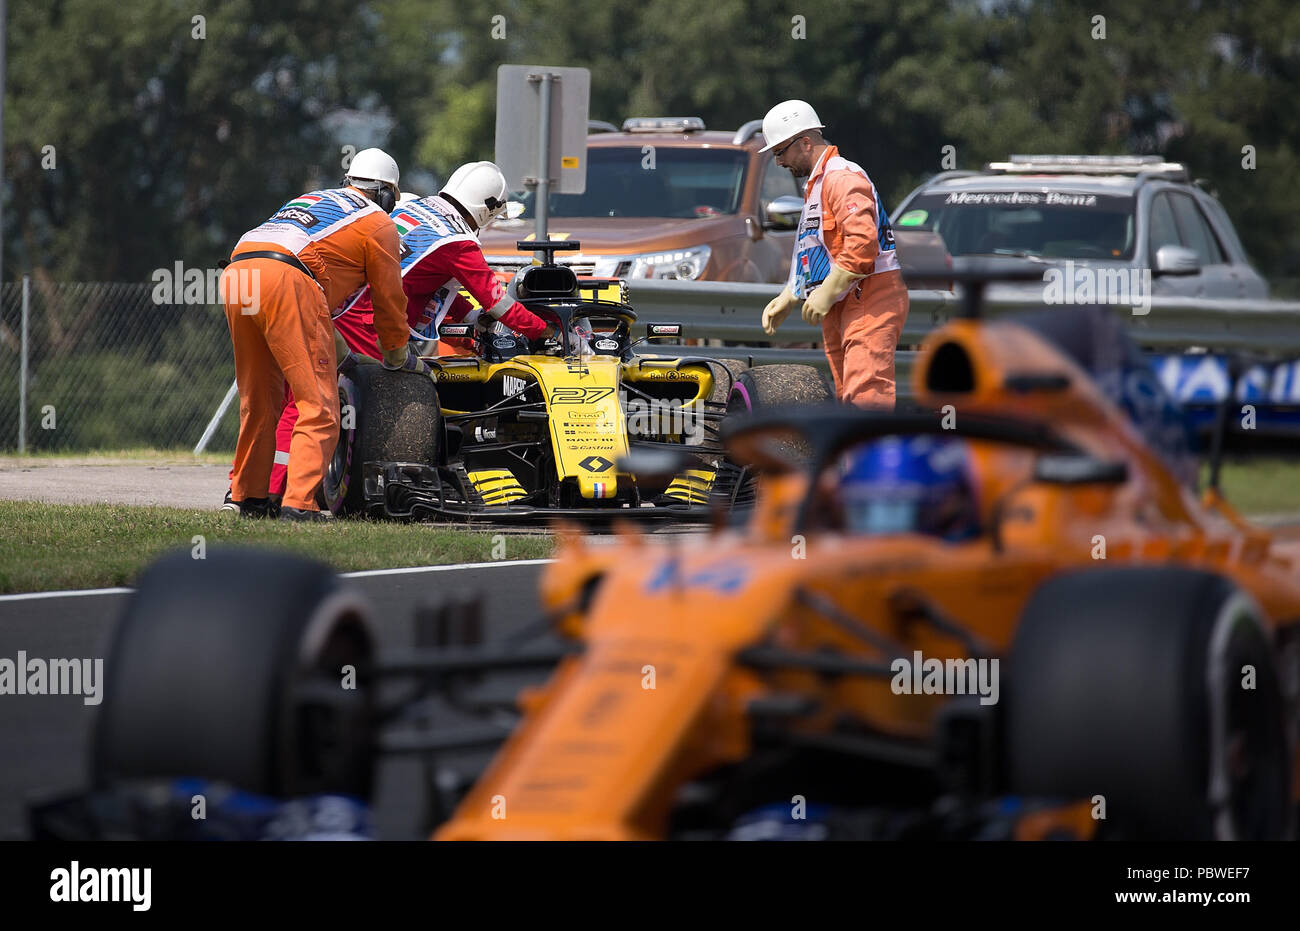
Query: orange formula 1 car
pixel 1146 643
pixel 1108 656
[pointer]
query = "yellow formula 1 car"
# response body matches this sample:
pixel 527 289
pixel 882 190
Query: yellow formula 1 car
pixel 517 426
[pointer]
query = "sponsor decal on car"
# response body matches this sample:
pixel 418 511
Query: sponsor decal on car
pixel 723 578
pixel 562 394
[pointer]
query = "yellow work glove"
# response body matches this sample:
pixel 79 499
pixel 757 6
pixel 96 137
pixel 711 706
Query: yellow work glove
pixel 776 310
pixel 823 298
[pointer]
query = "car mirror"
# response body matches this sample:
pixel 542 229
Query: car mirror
pixel 1176 260
pixel 663 331
pixel 783 213
pixel 1064 469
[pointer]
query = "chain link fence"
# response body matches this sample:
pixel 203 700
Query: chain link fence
pixel 110 368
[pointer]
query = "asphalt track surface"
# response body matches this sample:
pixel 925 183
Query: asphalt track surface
pixel 44 738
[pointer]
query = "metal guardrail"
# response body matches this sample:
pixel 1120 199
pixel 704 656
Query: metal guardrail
pixel 732 311
pixel 904 359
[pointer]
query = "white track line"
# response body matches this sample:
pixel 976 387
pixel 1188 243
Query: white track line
pixel 464 565
pixel 32 596
pixel 367 573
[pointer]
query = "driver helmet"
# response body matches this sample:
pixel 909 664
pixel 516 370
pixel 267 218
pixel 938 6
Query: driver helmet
pixel 912 484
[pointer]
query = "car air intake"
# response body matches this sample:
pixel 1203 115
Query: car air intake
pixel 548 281
pixel 950 370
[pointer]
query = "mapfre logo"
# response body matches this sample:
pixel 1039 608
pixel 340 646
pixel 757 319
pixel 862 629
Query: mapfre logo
pixel 569 395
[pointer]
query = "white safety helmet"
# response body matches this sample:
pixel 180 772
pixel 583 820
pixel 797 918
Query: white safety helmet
pixel 480 188
pixel 788 119
pixel 375 170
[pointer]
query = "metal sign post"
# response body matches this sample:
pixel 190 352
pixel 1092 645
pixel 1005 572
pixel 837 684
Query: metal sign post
pixel 543 179
pixel 22 369
pixel 541 133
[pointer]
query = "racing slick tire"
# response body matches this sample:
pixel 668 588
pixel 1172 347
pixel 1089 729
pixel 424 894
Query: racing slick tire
pixel 721 388
pixel 766 386
pixel 1129 684
pixel 235 668
pixel 395 418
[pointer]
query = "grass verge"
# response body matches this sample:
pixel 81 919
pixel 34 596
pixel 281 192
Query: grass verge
pixel 1262 486
pixel 45 547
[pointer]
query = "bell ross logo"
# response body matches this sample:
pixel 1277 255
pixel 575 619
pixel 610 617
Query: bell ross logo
pixel 103 884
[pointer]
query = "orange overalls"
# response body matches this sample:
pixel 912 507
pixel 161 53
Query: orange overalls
pixel 844 222
pixel 284 335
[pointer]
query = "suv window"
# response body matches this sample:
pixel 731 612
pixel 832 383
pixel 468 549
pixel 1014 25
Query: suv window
pixel 1196 232
pixel 777 182
pixel 1052 224
pixel 1164 231
pixel 684 183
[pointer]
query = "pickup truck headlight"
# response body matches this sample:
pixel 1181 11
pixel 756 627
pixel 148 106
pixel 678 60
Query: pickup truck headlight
pixel 684 263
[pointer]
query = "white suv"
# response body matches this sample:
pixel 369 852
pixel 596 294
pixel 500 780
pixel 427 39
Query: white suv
pixel 1095 211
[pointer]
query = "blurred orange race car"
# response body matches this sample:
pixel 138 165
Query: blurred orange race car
pixel 1099 653
pixel 1106 656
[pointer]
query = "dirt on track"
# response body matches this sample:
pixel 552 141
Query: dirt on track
pixel 167 483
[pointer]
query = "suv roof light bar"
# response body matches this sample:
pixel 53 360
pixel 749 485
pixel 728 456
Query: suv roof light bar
pixel 659 124
pixel 1088 159
pixel 1090 165
pixel 747 132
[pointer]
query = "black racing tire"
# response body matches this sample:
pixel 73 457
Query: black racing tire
pixel 1128 683
pixel 396 417
pixel 721 386
pixel 231 669
pixel 766 386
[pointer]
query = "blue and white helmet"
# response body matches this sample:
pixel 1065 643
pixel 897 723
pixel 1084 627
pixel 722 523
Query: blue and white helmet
pixel 913 484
